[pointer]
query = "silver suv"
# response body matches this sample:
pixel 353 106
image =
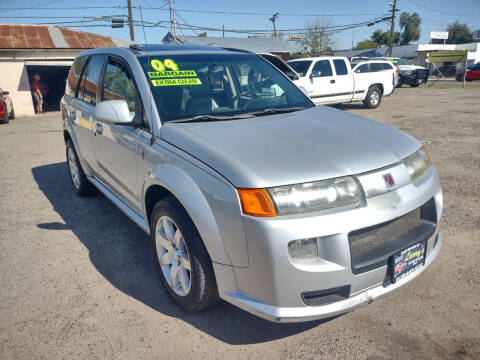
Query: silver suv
pixel 248 191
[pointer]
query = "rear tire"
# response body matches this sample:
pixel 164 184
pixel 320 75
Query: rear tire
pixel 373 98
pixel 79 181
pixel 12 114
pixel 179 250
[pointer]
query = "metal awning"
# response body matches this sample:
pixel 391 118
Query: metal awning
pixel 49 62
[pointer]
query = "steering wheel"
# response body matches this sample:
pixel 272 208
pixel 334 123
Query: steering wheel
pixel 253 95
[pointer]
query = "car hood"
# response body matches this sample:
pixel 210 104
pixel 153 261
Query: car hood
pixel 410 67
pixel 313 144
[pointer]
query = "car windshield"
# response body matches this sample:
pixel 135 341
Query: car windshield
pixel 300 66
pixel 204 87
pixel 399 62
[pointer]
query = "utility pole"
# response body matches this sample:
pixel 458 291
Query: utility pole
pixel 173 25
pixel 392 27
pixel 130 20
pixel 272 19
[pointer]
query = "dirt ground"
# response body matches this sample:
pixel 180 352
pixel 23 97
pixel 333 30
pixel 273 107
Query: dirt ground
pixel 77 278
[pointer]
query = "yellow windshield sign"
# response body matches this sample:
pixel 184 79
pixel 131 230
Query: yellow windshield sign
pixel 176 82
pixel 173 76
pixel 167 74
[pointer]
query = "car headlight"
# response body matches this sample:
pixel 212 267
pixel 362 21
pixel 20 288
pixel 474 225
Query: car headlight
pixel 417 164
pixel 316 195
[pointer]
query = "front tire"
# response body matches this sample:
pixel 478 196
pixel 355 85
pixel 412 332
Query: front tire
pixel 79 181
pixel 373 98
pixel 181 257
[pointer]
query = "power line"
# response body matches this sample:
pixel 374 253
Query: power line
pixel 197 11
pixel 440 11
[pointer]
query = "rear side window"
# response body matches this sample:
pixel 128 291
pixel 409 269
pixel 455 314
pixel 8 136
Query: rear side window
pixel 340 67
pixel 363 68
pixel 74 75
pixel 387 66
pixel 376 67
pixel 119 85
pixel 324 67
pixel 90 79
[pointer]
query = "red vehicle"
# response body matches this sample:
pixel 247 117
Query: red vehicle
pixel 3 112
pixel 473 73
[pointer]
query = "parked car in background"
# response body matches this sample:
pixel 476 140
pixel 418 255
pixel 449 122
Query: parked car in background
pixel 330 80
pixel 3 112
pixel 250 193
pixel 370 66
pixel 412 75
pixel 473 73
pixel 280 65
pixel 445 71
pixel 9 103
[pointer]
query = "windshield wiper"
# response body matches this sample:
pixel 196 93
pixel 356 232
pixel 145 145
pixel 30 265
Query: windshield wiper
pixel 198 118
pixel 271 111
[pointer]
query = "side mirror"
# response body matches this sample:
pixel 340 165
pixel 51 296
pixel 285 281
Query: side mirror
pixel 5 93
pixel 113 112
pixel 316 73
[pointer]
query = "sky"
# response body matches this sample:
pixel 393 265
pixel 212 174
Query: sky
pixel 435 15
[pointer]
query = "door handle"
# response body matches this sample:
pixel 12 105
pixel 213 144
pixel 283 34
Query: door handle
pixel 332 81
pixel 98 128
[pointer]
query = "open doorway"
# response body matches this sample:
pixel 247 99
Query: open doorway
pixel 52 80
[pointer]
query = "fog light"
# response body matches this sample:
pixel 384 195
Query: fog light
pixel 303 249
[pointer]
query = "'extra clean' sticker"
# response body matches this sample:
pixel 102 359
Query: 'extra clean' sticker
pixel 168 74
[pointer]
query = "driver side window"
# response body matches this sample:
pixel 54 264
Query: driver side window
pixel 322 68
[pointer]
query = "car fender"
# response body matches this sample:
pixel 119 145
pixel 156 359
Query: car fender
pixel 211 203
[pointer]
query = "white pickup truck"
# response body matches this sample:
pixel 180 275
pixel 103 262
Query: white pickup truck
pixel 331 80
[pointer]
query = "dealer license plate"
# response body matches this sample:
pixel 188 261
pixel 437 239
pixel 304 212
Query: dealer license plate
pixel 407 261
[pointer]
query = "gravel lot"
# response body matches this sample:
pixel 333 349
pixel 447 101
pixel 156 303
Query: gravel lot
pixel 77 278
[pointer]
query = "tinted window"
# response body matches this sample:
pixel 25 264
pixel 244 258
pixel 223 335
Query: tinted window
pixel 340 67
pixel 90 79
pixel 363 68
pixel 324 67
pixel 223 85
pixel 300 66
pixel 376 67
pixel 119 85
pixel 74 75
pixel 387 66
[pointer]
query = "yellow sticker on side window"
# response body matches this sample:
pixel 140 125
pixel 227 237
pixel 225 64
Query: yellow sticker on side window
pixel 176 82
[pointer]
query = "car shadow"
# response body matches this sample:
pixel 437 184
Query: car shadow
pixel 349 106
pixel 122 253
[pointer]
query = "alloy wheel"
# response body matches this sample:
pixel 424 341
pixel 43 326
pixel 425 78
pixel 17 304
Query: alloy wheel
pixel 173 256
pixel 73 167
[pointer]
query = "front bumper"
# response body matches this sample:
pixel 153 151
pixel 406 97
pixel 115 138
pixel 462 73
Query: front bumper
pixel 273 283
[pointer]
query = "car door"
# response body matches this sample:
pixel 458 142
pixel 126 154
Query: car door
pixel 322 82
pixel 85 104
pixel 116 145
pixel 343 81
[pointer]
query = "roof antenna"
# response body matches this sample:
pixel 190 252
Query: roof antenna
pixel 152 140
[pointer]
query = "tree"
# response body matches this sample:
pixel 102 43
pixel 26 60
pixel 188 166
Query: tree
pixel 383 37
pixel 203 34
pixel 410 25
pixel 365 45
pixel 317 39
pixel 459 33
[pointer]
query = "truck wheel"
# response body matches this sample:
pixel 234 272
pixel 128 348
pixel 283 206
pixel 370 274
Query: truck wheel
pixel 80 183
pixel 373 98
pixel 182 259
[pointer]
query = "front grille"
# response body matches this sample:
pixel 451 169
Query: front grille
pixel 371 247
pixel 422 73
pixel 367 240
